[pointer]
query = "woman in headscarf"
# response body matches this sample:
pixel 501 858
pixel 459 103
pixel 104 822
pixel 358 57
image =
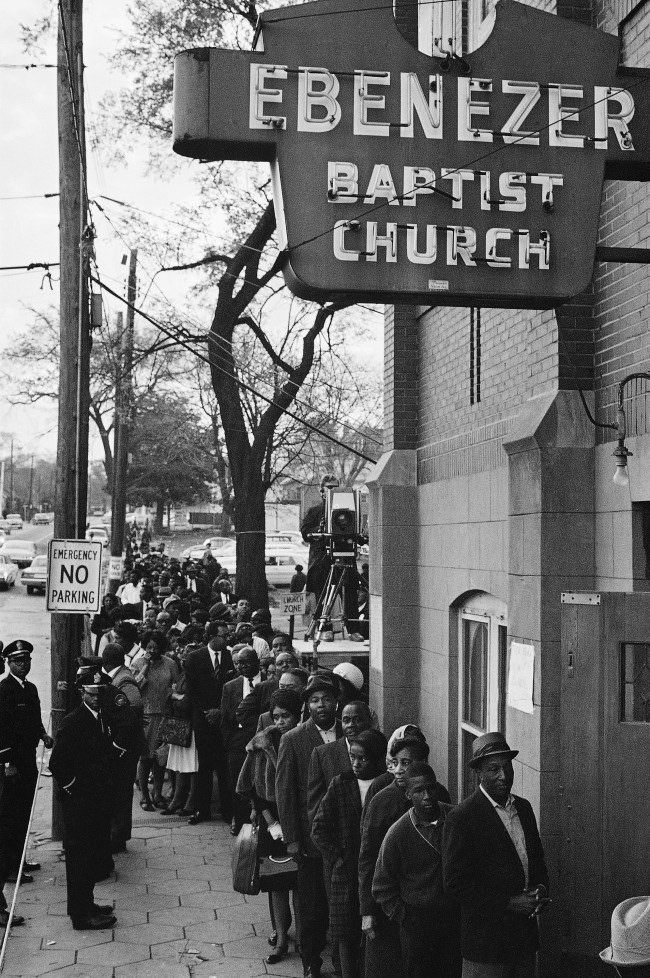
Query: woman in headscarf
pixel 257 782
pixel 336 831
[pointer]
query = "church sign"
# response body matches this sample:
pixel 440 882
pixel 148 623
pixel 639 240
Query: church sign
pixel 402 177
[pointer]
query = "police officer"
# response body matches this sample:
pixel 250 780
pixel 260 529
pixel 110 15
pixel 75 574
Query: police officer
pixel 83 764
pixel 21 730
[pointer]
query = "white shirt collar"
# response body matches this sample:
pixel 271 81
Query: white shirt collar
pixel 112 672
pixel 90 710
pixel 21 681
pixel 509 801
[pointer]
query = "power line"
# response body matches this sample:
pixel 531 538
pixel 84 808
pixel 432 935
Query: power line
pixel 160 217
pixel 464 166
pixel 240 383
pixel 224 344
pixel 28 66
pixel 28 268
pixel 29 196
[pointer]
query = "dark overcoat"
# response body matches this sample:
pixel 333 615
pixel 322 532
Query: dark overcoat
pixel 83 764
pixel 326 762
pixel 291 783
pixel 482 871
pixel 336 833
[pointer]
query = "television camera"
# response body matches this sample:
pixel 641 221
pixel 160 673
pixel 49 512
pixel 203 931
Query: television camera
pixel 342 531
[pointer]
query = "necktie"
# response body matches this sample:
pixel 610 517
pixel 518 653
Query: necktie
pixel 216 663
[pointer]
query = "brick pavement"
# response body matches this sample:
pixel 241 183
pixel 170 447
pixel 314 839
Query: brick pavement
pixel 177 915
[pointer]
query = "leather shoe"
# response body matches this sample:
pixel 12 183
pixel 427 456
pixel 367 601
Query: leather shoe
pixel 197 817
pixel 234 827
pixel 25 878
pixel 312 972
pixel 100 922
pixel 30 867
pixel 16 921
pixel 106 910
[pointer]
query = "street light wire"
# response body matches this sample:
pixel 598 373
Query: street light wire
pixel 240 383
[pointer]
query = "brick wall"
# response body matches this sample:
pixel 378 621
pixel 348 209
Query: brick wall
pixel 622 338
pixel 401 356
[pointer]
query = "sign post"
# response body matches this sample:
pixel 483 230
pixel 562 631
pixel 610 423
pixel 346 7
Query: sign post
pixel 74 571
pixel 292 605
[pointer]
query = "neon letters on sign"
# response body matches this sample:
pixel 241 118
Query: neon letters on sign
pixel 398 176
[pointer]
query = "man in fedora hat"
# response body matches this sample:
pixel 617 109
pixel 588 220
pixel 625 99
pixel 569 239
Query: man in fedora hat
pixel 629 947
pixel 493 864
pixel 21 730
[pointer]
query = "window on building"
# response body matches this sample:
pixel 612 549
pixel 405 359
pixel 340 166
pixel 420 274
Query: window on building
pixel 641 546
pixel 482 659
pixel 635 682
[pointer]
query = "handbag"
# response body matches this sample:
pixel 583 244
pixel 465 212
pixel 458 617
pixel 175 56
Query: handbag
pixel 245 861
pixel 176 730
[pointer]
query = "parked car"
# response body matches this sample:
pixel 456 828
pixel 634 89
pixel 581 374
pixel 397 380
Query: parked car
pixel 217 546
pixel 281 563
pixel 42 519
pixel 8 572
pixel 291 538
pixel 34 577
pixel 20 552
pixel 97 534
pixel 15 519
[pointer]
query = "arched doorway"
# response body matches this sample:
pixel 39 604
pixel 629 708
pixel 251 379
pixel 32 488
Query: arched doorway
pixel 482 651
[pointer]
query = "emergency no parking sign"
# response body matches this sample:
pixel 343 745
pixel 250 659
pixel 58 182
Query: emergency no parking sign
pixel 74 576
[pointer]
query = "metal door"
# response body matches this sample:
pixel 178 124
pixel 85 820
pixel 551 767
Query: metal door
pixel 604 789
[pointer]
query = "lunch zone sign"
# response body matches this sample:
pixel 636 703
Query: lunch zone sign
pixel 402 177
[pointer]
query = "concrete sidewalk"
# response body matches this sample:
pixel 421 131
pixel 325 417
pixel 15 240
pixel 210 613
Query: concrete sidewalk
pixel 177 915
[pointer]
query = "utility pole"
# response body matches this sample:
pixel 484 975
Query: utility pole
pixel 31 486
pixel 11 478
pixel 75 245
pixel 123 418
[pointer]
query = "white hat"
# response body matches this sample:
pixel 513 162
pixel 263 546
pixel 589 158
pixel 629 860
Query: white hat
pixel 350 672
pixel 630 941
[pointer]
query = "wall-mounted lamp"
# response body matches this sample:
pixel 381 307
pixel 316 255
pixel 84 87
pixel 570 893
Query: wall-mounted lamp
pixel 622 453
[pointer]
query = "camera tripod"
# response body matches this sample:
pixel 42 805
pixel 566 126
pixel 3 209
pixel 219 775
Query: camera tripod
pixel 341 576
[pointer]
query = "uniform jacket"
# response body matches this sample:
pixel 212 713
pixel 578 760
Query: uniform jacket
pixel 292 779
pixel 21 727
pixel 125 682
pixel 83 764
pixel 483 871
pixel 326 762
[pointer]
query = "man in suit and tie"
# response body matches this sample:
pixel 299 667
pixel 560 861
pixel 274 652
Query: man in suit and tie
pixel 493 864
pixel 328 760
pixel 234 739
pixel 291 789
pixel 207 670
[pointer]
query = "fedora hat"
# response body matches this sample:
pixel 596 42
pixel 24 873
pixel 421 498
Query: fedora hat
pixel 630 940
pixel 490 745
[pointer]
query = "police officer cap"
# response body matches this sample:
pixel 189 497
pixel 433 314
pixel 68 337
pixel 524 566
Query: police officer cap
pixel 90 674
pixel 17 649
